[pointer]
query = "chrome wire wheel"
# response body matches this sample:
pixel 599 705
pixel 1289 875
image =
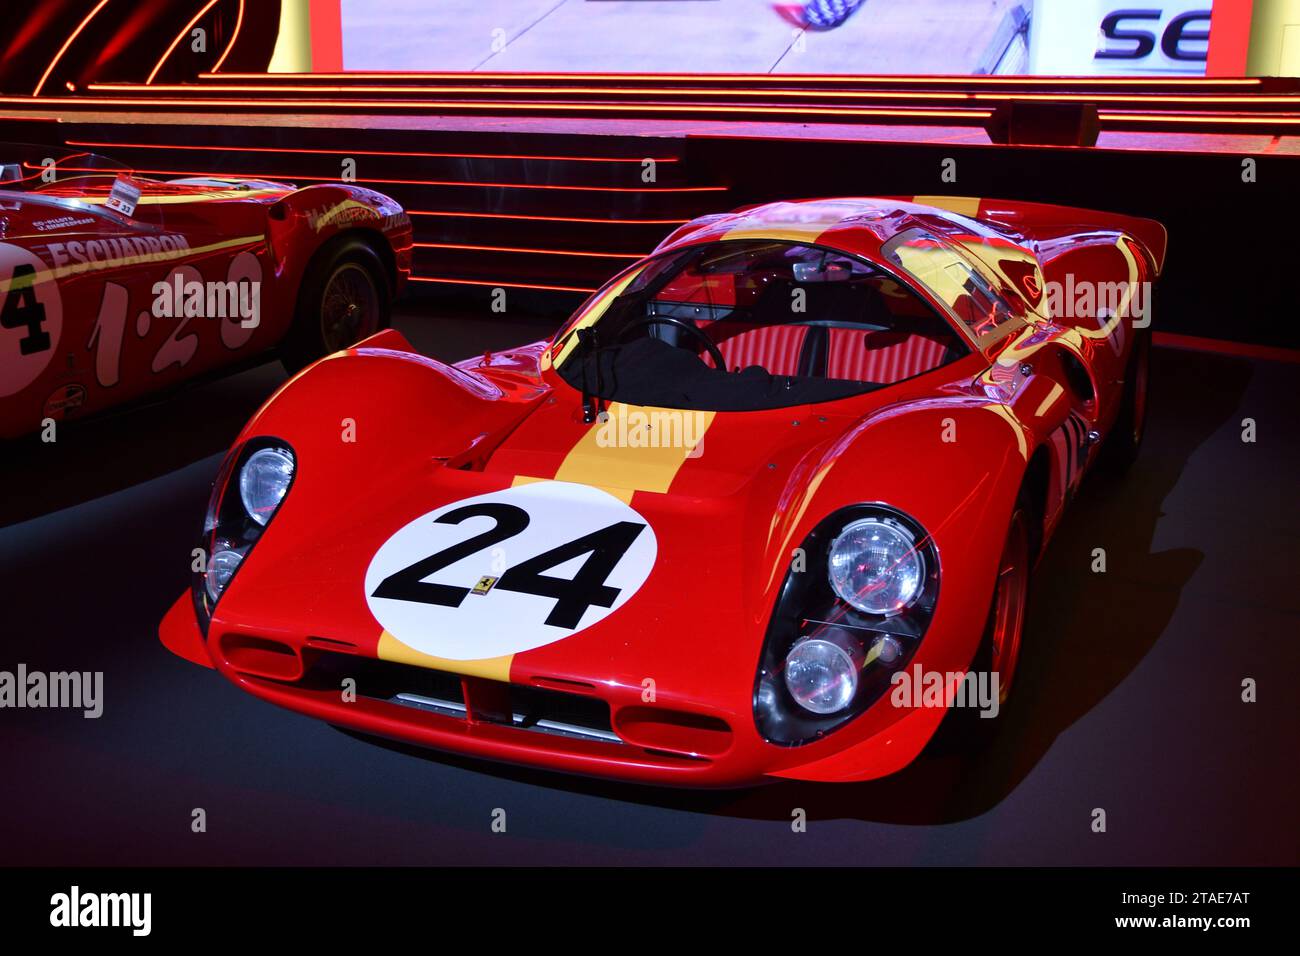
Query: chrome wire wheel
pixel 349 308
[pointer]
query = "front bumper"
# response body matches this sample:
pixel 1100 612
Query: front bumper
pixel 649 744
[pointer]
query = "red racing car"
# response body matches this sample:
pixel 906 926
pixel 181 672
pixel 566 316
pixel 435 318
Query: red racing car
pixel 800 456
pixel 113 287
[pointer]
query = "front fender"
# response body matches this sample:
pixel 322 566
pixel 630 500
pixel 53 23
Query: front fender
pixel 382 401
pixel 956 465
pixel 306 219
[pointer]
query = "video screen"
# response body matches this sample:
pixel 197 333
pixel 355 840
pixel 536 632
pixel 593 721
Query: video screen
pixel 955 37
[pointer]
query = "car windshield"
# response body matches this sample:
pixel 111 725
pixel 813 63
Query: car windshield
pixel 751 324
pixel 55 172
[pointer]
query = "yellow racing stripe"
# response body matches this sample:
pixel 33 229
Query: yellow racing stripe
pixel 637 449
pixel 163 255
pixel 189 197
pixel 961 205
pixel 492 668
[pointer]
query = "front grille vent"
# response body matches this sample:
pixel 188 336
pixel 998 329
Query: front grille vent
pixel 564 714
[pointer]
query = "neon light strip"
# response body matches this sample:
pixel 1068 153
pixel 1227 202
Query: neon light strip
pixel 436 182
pixel 1232 119
pixel 1242 98
pixel 502 215
pixel 67 43
pixel 179 37
pixel 778 78
pixel 374 152
pixel 64 102
pixel 239 22
pixel 540 252
pixel 1196 343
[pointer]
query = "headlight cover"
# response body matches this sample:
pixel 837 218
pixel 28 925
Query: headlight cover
pixel 252 483
pixel 821 675
pixel 890 567
pixel 263 480
pixel 875 566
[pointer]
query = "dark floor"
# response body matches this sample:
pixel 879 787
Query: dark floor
pixel 1131 695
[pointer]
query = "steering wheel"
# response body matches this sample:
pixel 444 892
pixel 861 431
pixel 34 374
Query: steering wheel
pixel 715 353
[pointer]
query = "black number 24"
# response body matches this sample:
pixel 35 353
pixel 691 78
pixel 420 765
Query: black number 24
pixel 605 548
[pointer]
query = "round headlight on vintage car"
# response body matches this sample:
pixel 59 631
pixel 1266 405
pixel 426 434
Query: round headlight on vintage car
pixel 875 565
pixel 221 568
pixel 263 481
pixel 821 675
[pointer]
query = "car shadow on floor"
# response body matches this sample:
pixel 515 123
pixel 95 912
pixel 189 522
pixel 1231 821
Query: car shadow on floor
pixel 1086 633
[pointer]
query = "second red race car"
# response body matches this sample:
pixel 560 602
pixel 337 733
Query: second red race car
pixel 115 286
pixel 803 455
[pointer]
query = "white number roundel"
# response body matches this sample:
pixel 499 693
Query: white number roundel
pixel 31 318
pixel 509 571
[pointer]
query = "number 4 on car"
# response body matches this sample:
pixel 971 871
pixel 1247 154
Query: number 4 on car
pixel 801 452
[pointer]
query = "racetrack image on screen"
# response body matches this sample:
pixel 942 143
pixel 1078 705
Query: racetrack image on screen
pixel 963 37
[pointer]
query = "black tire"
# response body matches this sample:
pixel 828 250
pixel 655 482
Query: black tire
pixel 344 297
pixel 1125 439
pixel 1022 543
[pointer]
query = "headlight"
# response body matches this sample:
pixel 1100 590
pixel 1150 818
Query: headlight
pixel 875 566
pixel 821 675
pixel 263 481
pixel 846 620
pixel 248 491
pixel 221 568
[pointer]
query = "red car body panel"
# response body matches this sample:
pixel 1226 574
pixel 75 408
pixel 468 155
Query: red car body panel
pixel 725 522
pixel 99 342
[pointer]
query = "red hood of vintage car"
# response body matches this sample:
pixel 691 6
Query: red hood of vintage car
pixel 721 520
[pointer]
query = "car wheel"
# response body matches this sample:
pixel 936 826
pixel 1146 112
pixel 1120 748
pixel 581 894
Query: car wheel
pixel 1002 644
pixel 971 728
pixel 1125 439
pixel 342 300
pixel 1004 633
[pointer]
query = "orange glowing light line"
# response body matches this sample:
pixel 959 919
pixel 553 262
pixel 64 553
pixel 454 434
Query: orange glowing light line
pixel 67 43
pixel 1236 119
pixel 694 91
pixel 509 285
pixel 1140 97
pixel 439 182
pixel 539 252
pixel 389 105
pixel 239 22
pixel 1197 343
pixel 516 90
pixel 770 78
pixel 372 152
pixel 582 219
pixel 58 165
pixel 180 36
